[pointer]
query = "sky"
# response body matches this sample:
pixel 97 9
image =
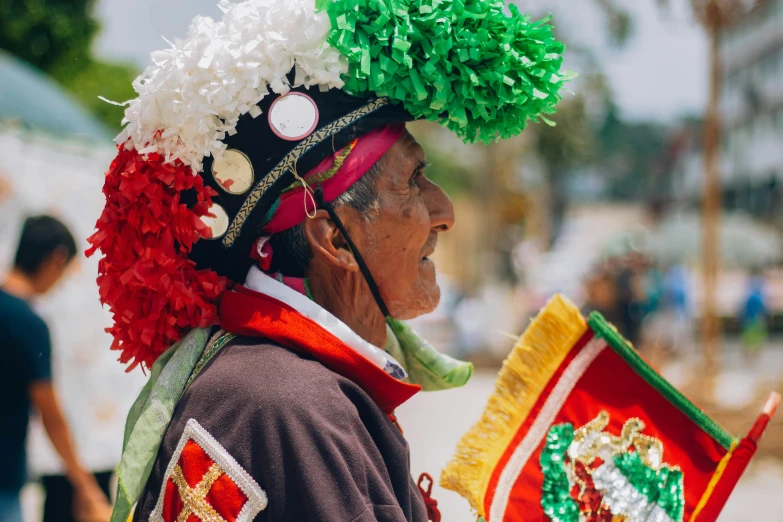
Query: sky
pixel 660 74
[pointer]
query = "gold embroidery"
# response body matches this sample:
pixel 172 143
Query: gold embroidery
pixel 320 177
pixel 288 163
pixel 218 341
pixel 194 499
pixel 620 477
pixel 591 439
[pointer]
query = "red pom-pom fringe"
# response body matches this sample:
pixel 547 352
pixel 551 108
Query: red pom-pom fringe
pixel 154 292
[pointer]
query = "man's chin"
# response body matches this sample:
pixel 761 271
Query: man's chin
pixel 426 299
pixel 427 270
pixel 433 298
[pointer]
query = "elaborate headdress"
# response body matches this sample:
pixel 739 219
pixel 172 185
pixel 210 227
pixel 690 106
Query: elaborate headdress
pixel 229 121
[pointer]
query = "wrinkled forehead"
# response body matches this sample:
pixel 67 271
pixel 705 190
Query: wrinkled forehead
pixel 404 157
pixel 413 147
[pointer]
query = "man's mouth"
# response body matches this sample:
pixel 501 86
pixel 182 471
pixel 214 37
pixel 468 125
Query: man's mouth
pixel 429 248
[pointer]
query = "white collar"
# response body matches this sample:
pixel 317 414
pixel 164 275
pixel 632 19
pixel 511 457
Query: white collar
pixel 262 283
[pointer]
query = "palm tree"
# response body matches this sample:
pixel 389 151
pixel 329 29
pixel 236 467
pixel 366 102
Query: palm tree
pixel 714 16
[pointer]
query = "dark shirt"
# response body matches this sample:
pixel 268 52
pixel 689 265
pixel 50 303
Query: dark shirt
pixel 314 441
pixel 25 358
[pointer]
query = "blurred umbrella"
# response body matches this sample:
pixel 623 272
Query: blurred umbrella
pixel 744 242
pixel 33 99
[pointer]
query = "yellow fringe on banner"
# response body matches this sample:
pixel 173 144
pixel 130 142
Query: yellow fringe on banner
pixel 525 373
pixel 713 482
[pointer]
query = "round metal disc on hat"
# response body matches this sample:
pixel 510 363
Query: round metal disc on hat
pixel 218 224
pixel 233 172
pixel 293 116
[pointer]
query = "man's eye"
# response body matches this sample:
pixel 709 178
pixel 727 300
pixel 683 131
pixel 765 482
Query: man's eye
pixel 416 177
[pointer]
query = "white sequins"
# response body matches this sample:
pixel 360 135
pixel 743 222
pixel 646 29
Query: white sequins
pixel 293 117
pixel 623 498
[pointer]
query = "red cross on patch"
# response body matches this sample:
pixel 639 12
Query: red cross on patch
pixel 203 483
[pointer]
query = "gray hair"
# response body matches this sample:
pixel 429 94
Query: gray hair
pixel 292 253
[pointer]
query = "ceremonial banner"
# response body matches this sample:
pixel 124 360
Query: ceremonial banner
pixel 581 429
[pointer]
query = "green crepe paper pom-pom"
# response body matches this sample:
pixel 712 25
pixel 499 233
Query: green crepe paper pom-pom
pixel 482 72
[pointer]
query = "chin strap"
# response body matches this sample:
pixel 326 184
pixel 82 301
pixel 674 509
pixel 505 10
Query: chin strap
pixel 319 199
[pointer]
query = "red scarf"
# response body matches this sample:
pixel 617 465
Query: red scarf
pixel 245 312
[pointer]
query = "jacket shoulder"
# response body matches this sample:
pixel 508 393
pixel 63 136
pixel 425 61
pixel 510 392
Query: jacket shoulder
pixel 255 373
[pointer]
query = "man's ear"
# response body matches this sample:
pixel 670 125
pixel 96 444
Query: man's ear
pixel 327 242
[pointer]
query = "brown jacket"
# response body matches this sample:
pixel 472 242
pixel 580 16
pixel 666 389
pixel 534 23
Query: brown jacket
pixel 312 440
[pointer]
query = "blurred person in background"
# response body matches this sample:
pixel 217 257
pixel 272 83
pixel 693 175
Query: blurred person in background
pixel 676 328
pixel 654 321
pixel 668 326
pixel 601 294
pixel 653 289
pixel 45 250
pixel 631 296
pixel 754 314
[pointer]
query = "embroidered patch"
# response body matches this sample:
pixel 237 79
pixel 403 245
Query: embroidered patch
pixel 204 483
pixel 592 475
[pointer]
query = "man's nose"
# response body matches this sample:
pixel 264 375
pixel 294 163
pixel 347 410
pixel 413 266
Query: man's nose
pixel 441 209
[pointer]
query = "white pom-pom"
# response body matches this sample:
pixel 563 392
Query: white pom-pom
pixel 196 90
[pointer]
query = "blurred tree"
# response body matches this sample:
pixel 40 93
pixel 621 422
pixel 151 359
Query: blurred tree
pixel 618 19
pixel 56 36
pixel 631 154
pixel 570 143
pixel 575 142
pixel 714 16
pixel 93 78
pixel 45 32
pixel 564 147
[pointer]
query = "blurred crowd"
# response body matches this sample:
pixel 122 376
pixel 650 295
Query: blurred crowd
pixel 654 307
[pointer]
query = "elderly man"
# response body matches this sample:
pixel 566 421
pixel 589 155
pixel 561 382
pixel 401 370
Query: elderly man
pixel 306 210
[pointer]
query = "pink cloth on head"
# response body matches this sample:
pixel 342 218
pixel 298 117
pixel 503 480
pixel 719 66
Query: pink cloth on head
pixel 367 150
